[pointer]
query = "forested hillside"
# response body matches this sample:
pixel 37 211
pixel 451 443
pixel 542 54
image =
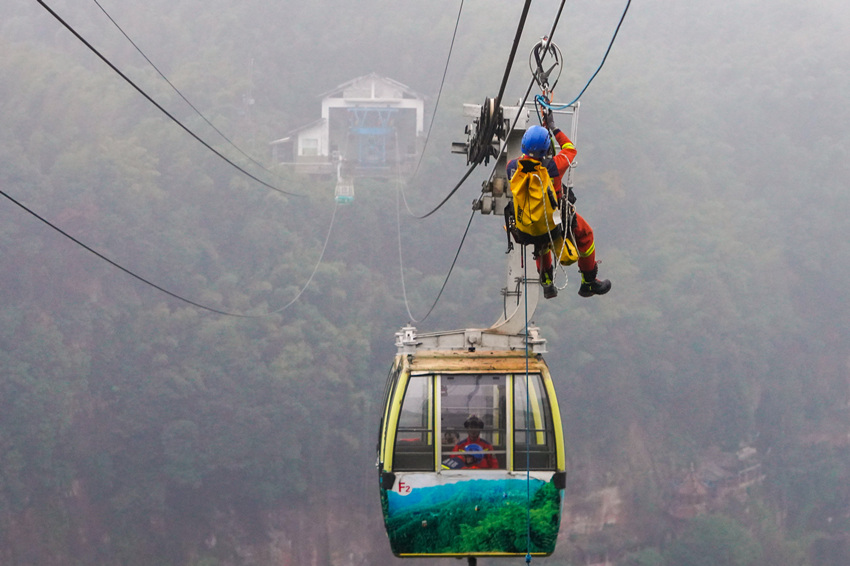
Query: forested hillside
pixel 138 429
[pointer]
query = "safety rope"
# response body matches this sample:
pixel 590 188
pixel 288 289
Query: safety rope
pixel 527 423
pixel 567 232
pixel 599 68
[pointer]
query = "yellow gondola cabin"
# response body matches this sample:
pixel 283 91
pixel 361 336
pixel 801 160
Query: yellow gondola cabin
pixel 471 450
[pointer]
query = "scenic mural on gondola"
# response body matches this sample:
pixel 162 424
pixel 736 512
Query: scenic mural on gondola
pixel 472 515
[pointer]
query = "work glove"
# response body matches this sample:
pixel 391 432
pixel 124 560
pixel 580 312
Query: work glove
pixel 548 118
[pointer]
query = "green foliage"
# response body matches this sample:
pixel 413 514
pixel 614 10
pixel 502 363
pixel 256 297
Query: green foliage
pixel 478 518
pixel 713 540
pixel 714 169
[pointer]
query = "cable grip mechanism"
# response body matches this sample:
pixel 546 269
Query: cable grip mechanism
pixel 545 57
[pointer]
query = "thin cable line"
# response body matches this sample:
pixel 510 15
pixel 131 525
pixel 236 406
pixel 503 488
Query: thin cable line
pixel 315 269
pixel 163 110
pixel 124 269
pixel 489 132
pixel 186 100
pixel 400 192
pixel 439 94
pixel 451 193
pixel 166 291
pixel 599 68
pixel 527 415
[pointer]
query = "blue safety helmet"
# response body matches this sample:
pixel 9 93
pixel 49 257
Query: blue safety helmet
pixel 535 142
pixel 475 451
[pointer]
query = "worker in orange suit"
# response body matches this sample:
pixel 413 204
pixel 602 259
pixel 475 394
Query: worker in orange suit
pixel 535 145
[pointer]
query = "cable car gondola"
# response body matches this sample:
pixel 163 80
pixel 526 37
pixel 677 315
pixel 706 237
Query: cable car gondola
pixel 471 450
pixel 440 498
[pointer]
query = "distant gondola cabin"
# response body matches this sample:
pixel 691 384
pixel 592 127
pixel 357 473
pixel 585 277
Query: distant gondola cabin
pixel 471 453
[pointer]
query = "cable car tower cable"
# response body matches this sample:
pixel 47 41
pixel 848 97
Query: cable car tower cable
pixel 483 151
pixel 159 106
pixel 180 94
pixel 163 289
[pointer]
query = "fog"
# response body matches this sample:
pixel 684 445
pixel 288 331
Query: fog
pixel 712 166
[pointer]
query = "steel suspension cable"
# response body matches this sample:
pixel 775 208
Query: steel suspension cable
pixel 122 268
pixel 437 102
pixel 158 106
pixel 180 94
pixel 489 132
pixel 163 289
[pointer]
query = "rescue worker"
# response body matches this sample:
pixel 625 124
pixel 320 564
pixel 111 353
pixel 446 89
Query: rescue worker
pixel 474 443
pixel 535 145
pixel 473 457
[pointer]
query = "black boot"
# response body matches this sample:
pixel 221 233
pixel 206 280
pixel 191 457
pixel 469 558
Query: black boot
pixel 546 279
pixel 590 285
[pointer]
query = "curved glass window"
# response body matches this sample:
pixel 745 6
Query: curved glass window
pixel 473 420
pixel 534 432
pixel 462 420
pixel 414 441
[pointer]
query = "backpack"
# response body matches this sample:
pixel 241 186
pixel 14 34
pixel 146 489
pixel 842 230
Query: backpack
pixel 535 208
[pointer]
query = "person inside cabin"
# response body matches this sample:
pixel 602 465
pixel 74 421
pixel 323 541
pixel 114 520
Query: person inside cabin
pixel 536 220
pixel 474 446
pixel 450 438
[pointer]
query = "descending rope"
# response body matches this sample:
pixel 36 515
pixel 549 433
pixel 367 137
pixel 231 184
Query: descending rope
pixel 527 413
pixel 180 94
pixel 158 106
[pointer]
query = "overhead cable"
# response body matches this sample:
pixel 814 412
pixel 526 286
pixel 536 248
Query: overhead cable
pixel 466 231
pixel 599 68
pixel 514 48
pixel 439 94
pixel 489 134
pixel 180 94
pixel 166 291
pixel 155 103
pixel 122 268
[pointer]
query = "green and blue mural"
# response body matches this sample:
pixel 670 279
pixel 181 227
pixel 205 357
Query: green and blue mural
pixel 470 514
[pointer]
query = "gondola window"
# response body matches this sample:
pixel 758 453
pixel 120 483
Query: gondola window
pixel 414 443
pixel 534 432
pixel 468 398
